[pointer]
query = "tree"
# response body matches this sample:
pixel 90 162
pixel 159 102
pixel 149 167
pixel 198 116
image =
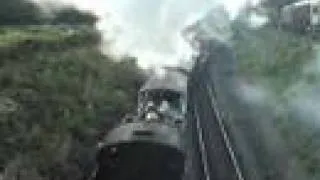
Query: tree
pixel 52 109
pixel 19 12
pixel 25 12
pixel 273 9
pixel 65 93
pixel 277 3
pixel 72 16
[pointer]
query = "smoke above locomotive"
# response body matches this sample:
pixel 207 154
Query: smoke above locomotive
pixel 170 78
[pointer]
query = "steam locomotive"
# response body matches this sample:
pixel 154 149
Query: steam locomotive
pixel 149 145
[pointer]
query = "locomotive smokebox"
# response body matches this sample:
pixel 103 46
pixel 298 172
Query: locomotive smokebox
pixel 141 151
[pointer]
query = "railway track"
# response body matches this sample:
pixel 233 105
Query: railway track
pixel 224 146
pixel 210 141
pixel 215 152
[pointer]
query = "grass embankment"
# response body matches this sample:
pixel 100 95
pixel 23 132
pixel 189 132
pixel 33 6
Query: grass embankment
pixel 278 62
pixel 57 92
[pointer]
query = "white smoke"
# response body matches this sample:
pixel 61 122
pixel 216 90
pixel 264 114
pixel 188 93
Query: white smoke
pixel 253 93
pixel 304 95
pixel 150 29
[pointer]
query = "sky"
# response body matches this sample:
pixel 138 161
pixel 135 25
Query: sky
pixel 150 29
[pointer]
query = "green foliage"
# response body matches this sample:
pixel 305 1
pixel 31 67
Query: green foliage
pixel 275 4
pixel 72 16
pixel 278 60
pixel 25 12
pixel 272 55
pixel 57 89
pixel 19 12
pixel 59 85
pixel 272 8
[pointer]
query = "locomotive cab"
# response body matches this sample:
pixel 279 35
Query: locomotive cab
pixel 167 103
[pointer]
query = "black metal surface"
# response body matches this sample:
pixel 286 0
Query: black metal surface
pixel 140 161
pixel 148 132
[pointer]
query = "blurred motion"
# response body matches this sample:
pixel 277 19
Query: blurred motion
pixel 82 95
pixel 301 16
